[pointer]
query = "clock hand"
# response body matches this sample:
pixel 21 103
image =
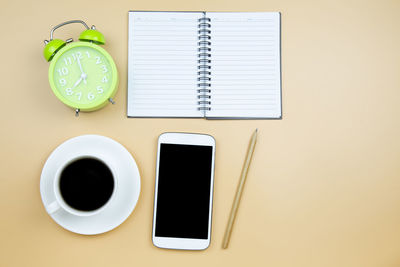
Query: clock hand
pixel 79 64
pixel 83 75
pixel 77 82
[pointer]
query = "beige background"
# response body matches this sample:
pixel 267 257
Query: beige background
pixel 324 185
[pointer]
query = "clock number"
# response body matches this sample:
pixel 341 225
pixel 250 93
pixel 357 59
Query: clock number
pixel 104 80
pixel 63 71
pixel 105 70
pixel 79 94
pixel 77 55
pixel 90 96
pixel 98 61
pixel 69 91
pixel 87 53
pixel 63 82
pixel 67 61
pixel 100 89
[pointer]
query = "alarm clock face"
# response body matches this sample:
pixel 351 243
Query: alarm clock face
pixel 83 75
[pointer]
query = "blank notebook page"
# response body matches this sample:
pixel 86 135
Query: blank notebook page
pixel 245 65
pixel 162 64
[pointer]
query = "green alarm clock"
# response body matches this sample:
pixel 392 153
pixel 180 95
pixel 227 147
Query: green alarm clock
pixel 81 74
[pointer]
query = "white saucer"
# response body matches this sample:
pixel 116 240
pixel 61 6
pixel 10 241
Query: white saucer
pixel 127 174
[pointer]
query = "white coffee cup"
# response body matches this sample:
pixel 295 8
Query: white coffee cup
pixel 59 202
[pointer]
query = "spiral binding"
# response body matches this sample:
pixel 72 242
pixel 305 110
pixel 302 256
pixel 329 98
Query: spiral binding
pixel 204 68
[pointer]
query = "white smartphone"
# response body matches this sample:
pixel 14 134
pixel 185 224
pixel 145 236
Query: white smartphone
pixel 183 191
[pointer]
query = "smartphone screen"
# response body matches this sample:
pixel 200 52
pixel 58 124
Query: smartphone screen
pixel 184 191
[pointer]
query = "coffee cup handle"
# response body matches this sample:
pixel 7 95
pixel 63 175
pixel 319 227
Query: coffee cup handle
pixel 53 207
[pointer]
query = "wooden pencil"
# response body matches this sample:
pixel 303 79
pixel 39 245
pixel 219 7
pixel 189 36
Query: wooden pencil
pixel 239 191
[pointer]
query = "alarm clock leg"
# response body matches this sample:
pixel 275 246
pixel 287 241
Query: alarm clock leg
pixel 111 100
pixel 77 112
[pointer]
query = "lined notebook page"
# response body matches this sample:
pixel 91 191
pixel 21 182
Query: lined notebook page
pixel 162 64
pixel 245 65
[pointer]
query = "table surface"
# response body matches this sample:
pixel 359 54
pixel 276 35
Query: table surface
pixel 323 188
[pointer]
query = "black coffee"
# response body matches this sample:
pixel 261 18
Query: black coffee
pixel 86 184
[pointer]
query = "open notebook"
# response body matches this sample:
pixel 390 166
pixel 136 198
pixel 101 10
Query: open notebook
pixel 217 65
